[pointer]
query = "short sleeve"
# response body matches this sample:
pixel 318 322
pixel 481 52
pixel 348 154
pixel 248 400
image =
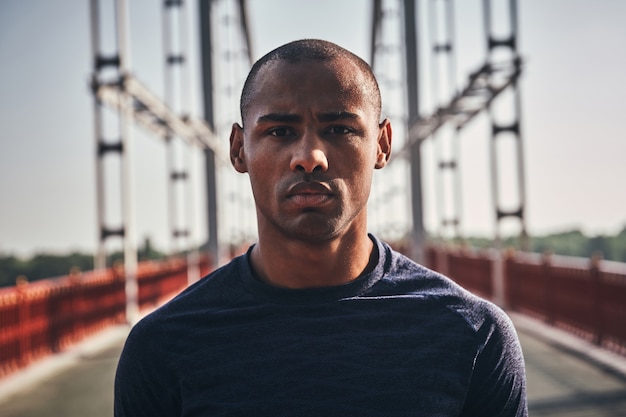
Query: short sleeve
pixel 498 382
pixel 144 385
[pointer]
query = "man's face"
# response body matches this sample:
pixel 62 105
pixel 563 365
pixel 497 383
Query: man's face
pixel 310 143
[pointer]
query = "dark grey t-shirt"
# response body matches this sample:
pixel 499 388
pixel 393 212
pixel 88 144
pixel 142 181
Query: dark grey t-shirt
pixel 400 340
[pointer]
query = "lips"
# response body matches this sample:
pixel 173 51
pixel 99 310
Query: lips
pixel 309 194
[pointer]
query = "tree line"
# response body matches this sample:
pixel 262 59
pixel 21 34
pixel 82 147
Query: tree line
pixel 46 265
pixel 569 243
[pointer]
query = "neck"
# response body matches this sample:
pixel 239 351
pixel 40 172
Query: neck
pixel 299 264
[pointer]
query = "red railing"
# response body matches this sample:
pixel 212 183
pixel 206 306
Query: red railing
pixel 586 297
pixel 582 296
pixel 44 317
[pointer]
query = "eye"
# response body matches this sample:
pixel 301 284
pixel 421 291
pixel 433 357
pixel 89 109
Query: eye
pixel 339 130
pixel 280 131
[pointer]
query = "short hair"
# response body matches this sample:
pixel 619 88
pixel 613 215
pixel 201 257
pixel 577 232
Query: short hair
pixel 309 50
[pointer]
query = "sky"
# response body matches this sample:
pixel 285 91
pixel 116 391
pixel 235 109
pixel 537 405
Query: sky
pixel 573 92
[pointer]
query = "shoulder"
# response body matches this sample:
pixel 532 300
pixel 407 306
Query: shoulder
pixel 478 327
pixel 405 277
pixel 156 336
pixel 213 291
pixel 498 384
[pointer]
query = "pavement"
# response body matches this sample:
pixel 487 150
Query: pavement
pixel 76 382
pixel 567 376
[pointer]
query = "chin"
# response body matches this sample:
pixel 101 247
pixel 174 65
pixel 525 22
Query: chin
pixel 313 230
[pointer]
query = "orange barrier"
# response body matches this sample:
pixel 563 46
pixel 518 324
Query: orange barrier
pixel 582 296
pixel 585 297
pixel 47 316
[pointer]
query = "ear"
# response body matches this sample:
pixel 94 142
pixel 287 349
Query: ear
pixel 384 144
pixel 237 157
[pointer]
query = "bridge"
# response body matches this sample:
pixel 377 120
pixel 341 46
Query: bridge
pixel 569 312
pixel 394 56
pixel 570 373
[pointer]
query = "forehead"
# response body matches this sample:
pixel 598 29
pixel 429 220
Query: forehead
pixel 333 85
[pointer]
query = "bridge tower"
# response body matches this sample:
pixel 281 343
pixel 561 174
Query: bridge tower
pixel 115 88
pixel 112 69
pixel 495 79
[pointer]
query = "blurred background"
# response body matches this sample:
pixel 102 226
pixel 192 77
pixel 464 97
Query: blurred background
pixel 571 88
pixel 507 134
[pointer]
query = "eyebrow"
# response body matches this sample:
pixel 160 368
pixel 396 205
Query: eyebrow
pixel 294 118
pixel 279 117
pixel 338 115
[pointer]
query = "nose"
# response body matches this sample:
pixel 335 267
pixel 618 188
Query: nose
pixel 309 154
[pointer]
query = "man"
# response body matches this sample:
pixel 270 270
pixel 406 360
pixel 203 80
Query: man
pixel 319 318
